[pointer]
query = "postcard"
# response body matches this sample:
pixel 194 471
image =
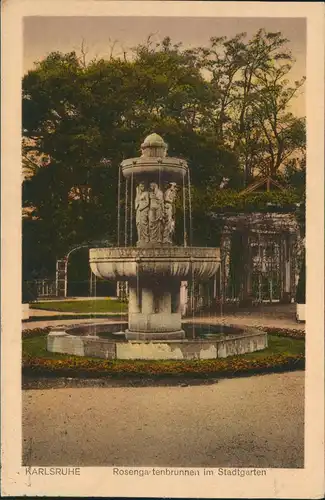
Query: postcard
pixel 162 249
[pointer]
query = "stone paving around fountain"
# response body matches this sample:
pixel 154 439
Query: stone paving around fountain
pixel 249 422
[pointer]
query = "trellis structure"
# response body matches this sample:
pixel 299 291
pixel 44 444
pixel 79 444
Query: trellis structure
pixel 260 250
pixel 259 257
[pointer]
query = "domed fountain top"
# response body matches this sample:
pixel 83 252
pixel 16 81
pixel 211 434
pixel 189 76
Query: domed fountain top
pixel 154 146
pixel 154 161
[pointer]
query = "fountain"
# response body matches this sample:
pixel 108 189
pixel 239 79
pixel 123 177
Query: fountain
pixel 154 268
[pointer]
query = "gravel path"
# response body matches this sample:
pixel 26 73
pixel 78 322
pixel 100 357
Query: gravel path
pixel 250 320
pixel 267 315
pixel 246 422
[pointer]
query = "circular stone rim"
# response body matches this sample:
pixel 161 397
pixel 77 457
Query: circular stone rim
pixel 171 168
pixel 154 263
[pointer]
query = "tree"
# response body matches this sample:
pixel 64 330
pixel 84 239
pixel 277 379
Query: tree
pixel 284 135
pixel 81 116
pixel 252 98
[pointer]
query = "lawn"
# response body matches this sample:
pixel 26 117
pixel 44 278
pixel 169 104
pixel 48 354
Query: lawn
pixel 83 306
pixel 36 347
pixel 279 345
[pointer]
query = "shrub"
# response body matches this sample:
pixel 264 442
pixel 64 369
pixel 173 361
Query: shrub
pixel 36 332
pixel 29 292
pixel 268 201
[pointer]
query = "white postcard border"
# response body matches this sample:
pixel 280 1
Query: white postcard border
pixel 100 481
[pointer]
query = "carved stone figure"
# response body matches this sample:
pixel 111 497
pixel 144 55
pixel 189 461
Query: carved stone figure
pixel 169 219
pixel 156 213
pixel 142 213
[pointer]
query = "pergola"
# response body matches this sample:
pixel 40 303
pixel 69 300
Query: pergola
pixel 260 251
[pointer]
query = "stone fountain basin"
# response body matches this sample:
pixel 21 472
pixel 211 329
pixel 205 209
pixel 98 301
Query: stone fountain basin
pixel 108 341
pixel 127 263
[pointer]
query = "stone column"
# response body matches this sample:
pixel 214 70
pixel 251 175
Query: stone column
pixel 176 300
pixel 287 271
pixel 165 302
pixel 225 248
pixel 155 319
pixel 183 298
pixel 134 306
pixel 247 282
pixel 281 266
pixel 147 301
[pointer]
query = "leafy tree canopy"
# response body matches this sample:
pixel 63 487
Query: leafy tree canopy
pixel 225 108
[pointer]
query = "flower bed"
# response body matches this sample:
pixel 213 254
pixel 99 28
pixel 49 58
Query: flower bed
pixel 84 367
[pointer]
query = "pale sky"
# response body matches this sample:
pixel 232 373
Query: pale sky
pixel 43 35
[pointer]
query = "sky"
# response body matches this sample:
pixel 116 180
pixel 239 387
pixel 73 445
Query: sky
pixel 43 35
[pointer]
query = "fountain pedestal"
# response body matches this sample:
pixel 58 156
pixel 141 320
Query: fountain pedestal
pixel 154 312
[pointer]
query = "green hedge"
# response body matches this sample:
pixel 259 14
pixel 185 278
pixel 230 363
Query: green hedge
pixel 228 200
